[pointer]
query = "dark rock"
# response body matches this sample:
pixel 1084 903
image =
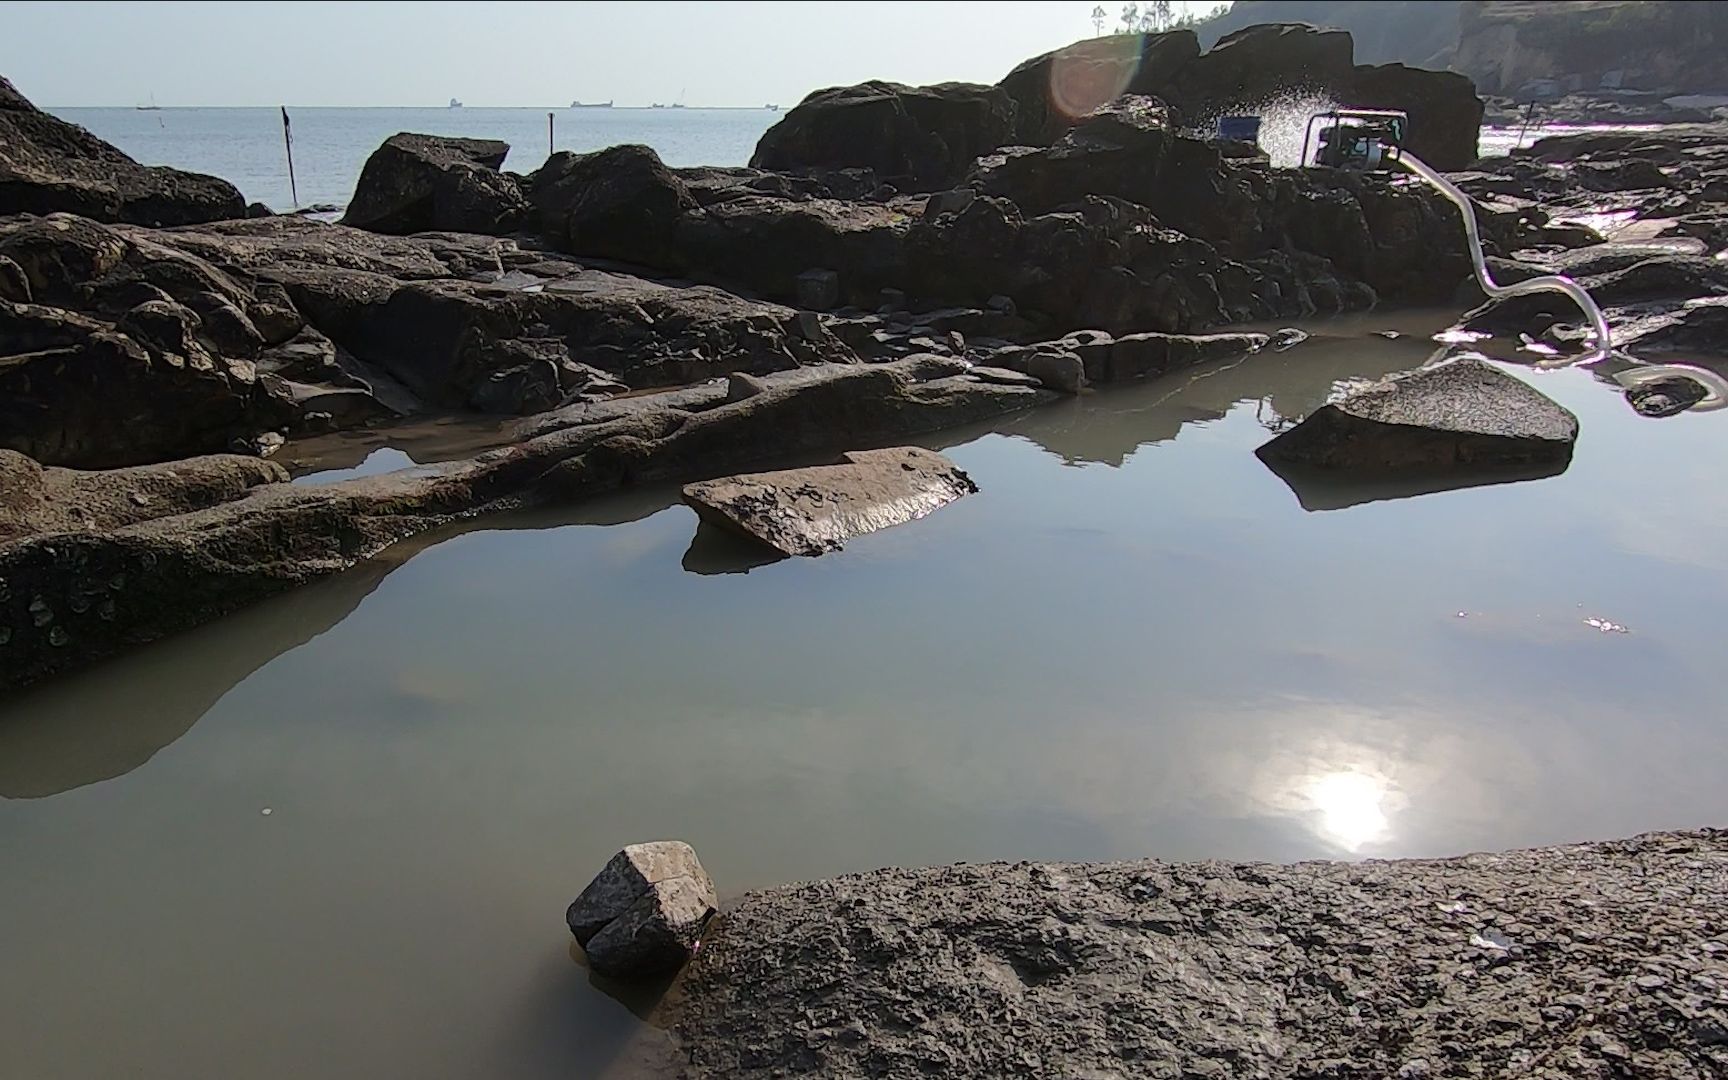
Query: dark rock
pixel 173 568
pixel 421 183
pixel 1460 414
pixel 1216 969
pixel 49 166
pixel 818 290
pixel 619 203
pixel 1136 356
pixel 645 911
pixel 816 510
pixel 1665 397
pixel 1058 369
pixel 1250 70
pixel 919 138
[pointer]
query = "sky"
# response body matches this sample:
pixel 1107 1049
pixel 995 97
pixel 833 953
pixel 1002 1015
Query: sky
pixel 526 54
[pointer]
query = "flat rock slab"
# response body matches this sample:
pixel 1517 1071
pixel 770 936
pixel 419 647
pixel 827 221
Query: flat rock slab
pixel 1594 960
pixel 1460 413
pixel 816 510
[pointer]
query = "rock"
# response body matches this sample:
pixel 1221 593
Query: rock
pixel 1460 414
pixel 1136 356
pixel 618 203
pixel 658 933
pixel 1061 371
pixel 1219 969
pixel 168 566
pixel 644 912
pixel 1665 397
pixel 918 138
pixel 420 183
pixel 816 510
pixel 952 201
pixel 48 165
pixel 1249 70
pixel 818 290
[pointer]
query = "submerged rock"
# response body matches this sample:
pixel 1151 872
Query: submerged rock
pixel 1463 413
pixel 816 510
pixel 644 912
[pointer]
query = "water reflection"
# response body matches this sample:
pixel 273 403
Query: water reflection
pixel 1351 806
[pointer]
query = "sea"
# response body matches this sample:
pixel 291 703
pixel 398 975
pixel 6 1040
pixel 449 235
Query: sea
pixel 245 145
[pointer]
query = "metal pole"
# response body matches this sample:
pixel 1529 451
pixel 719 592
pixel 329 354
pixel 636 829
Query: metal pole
pixel 550 142
pixel 288 145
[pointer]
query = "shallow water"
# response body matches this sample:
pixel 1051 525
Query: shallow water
pixel 1133 642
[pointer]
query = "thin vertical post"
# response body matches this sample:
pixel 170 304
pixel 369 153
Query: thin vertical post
pixel 550 142
pixel 288 145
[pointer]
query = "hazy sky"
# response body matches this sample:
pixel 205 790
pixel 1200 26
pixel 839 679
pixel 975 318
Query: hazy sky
pixel 540 54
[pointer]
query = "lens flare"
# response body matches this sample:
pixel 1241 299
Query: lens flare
pixel 1091 74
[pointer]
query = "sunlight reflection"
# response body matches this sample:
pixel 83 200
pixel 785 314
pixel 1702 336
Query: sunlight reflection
pixel 1352 808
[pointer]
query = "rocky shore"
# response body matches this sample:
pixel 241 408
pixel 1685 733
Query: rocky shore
pixel 895 260
pixel 1593 960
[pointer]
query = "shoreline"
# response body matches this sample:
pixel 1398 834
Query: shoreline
pixel 1606 958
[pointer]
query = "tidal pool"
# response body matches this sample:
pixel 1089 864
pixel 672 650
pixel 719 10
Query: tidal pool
pixel 334 835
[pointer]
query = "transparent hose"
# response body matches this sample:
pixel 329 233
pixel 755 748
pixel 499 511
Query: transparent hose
pixel 1602 342
pixel 1715 386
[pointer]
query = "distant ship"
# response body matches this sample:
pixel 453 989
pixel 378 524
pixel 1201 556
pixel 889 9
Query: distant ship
pixel 656 105
pixel 152 107
pixel 772 108
pixel 454 104
pixel 590 104
pixel 677 104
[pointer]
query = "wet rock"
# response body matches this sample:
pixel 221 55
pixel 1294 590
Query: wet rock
pixel 48 165
pixel 816 510
pixel 1136 356
pixel 918 138
pixel 1460 414
pixel 419 183
pixel 645 911
pixel 1665 397
pixel 1217 969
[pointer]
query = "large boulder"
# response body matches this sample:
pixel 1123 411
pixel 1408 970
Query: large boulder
pixel 1254 69
pixel 816 510
pixel 421 183
pixel 48 165
pixel 915 137
pixel 618 203
pixel 1460 414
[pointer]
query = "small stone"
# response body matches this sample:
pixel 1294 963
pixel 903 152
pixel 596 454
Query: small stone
pixel 892 300
pixel 818 290
pixel 266 811
pixel 948 202
pixel 40 613
pixel 1002 305
pixel 645 911
pixel 140 499
pixel 58 636
pixel 1650 982
pixel 1061 371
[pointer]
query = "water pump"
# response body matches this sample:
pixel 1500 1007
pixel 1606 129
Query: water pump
pixel 1362 140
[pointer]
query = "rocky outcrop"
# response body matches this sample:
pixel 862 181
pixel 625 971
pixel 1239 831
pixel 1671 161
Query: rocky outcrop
pixel 919 138
pixel 77 589
pixel 618 203
pixel 49 166
pixel 421 183
pixel 1462 414
pixel 1248 70
pixel 1589 960
pixel 645 911
pixel 815 510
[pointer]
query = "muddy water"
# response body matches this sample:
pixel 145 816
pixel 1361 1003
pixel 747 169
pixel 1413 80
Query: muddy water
pixel 1136 641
